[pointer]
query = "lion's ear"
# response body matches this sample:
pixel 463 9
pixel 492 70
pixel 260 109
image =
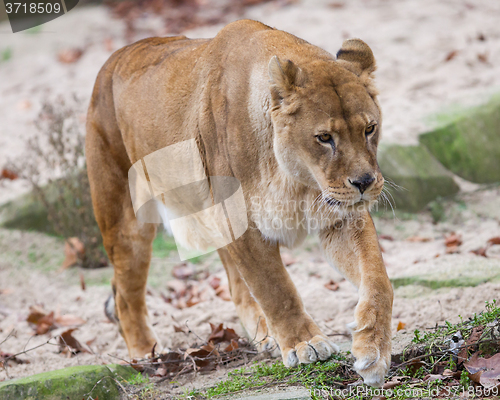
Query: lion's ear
pixel 356 56
pixel 284 75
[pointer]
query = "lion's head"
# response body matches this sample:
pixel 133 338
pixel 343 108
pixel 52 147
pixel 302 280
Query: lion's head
pixel 327 123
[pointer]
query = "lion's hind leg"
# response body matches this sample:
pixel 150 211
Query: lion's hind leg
pixel 128 242
pixel 250 313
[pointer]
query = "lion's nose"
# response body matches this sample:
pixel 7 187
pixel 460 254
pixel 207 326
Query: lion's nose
pixel 363 183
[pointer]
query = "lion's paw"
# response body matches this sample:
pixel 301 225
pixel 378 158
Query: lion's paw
pixel 318 348
pixel 270 346
pixel 370 364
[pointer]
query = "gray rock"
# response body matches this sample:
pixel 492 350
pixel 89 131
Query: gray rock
pixel 69 383
pixel 469 145
pixel 420 176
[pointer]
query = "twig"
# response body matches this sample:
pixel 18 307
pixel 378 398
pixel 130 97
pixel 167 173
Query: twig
pixel 8 336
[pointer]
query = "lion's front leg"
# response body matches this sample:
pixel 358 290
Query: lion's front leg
pixel 259 263
pixel 352 247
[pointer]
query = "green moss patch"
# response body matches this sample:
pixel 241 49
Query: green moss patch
pixel 469 146
pixel 420 177
pixel 80 382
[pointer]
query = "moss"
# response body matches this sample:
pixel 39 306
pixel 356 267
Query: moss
pixel 78 382
pixel 419 178
pixel 469 146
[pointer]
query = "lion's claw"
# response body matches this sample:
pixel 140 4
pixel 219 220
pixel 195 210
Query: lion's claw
pixel 318 348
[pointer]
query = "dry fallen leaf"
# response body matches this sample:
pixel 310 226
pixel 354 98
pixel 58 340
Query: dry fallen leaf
pixel 494 240
pixel 401 326
pixel 82 281
pixel 220 334
pixel 41 320
pixel 69 56
pixel 8 174
pixel 332 285
pixel 68 320
pixel 395 381
pixel 386 237
pixel 69 345
pixel 183 271
pixel 232 346
pixel 74 250
pixel 480 252
pixel 417 239
pixel 483 57
pixel 451 55
pixel 223 292
pixel 485 371
pixel 453 240
pixel 473 338
pixel 214 282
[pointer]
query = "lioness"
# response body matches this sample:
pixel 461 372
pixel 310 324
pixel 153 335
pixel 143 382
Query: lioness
pixel 291 123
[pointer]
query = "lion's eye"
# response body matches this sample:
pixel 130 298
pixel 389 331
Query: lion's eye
pixel 370 129
pixel 324 137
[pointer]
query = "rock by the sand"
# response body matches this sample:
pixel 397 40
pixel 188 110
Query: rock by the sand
pixel 469 146
pixel 420 176
pixel 97 381
pixel 449 271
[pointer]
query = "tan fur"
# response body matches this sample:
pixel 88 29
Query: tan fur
pixel 254 99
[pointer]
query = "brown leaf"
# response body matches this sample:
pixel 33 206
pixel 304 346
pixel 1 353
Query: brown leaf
pixel 220 334
pixel 332 285
pixel 178 287
pixel 483 57
pixel 45 324
pixel 67 340
pixel 74 250
pixel 451 55
pixel 336 5
pixel 417 239
pixel 200 357
pixel 453 240
pixel 223 293
pixel 386 237
pixel 401 326
pixel 36 313
pixel 183 271
pixel 214 282
pixel 69 56
pixel 452 250
pixel 232 346
pixel 8 174
pixel 395 381
pixel 82 281
pixel 485 371
pixel 68 320
pixel 480 252
pixel 474 337
pixel 494 240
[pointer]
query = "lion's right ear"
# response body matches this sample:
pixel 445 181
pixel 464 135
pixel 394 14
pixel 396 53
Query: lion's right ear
pixel 284 76
pixel 356 56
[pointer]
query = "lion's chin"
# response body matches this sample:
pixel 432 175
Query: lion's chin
pixel 354 206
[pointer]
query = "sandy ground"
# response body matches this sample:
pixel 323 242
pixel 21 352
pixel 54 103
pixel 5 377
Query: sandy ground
pixel 411 41
pixel 28 276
